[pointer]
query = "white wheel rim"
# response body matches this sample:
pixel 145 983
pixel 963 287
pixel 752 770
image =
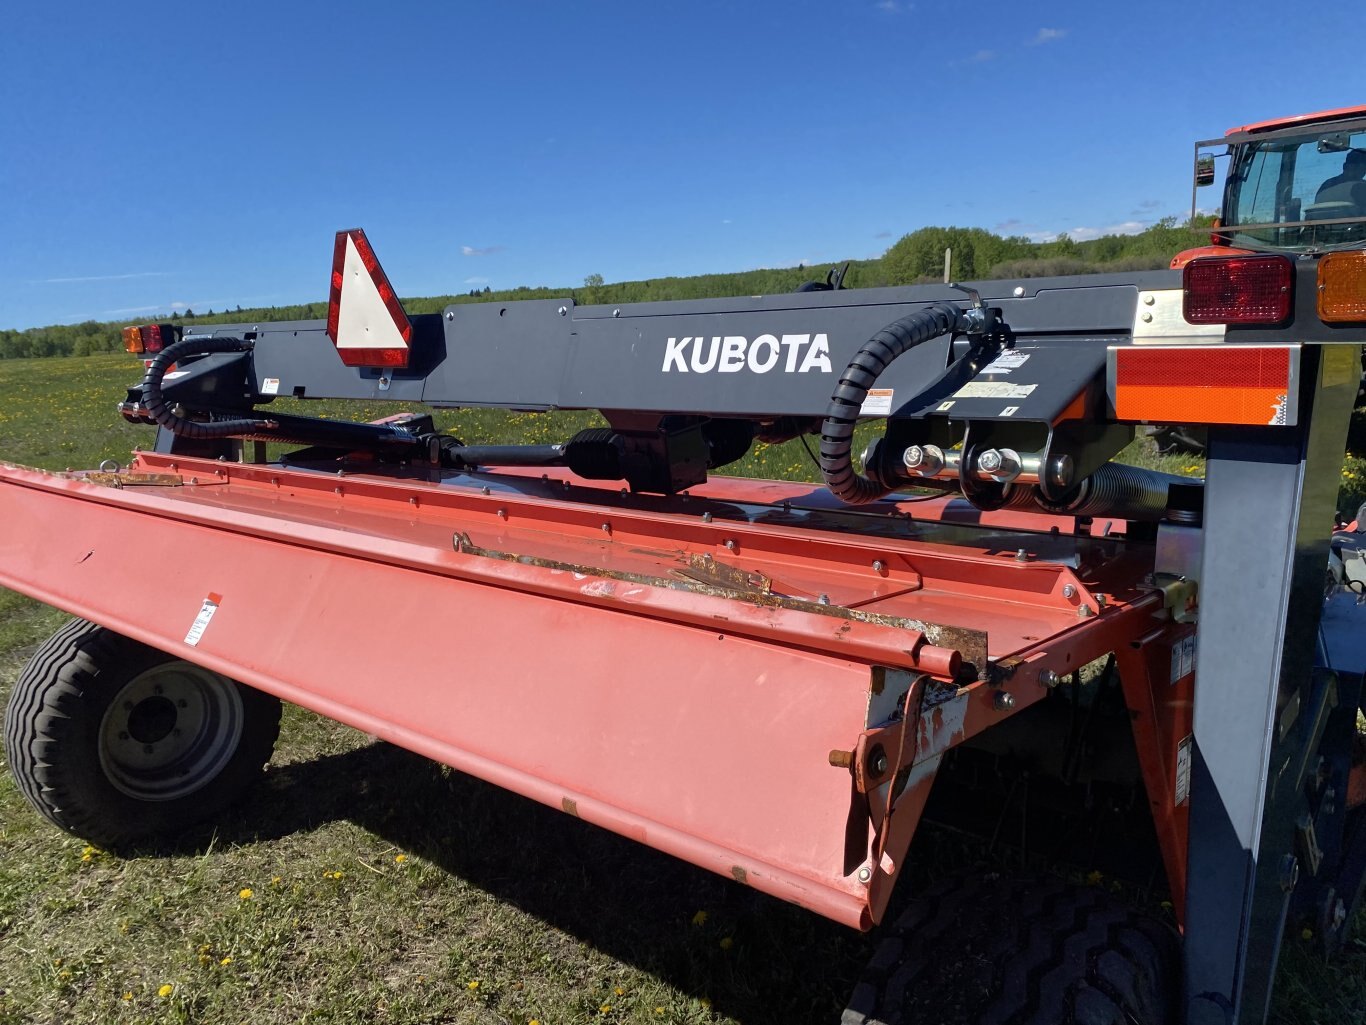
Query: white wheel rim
pixel 169 731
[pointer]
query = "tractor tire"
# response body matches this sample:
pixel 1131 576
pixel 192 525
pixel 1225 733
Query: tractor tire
pixel 992 950
pixel 125 745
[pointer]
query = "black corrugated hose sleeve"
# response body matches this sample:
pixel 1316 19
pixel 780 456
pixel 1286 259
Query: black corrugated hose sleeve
pixel 837 432
pixel 155 403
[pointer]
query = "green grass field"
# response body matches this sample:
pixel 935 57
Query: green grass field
pixel 363 884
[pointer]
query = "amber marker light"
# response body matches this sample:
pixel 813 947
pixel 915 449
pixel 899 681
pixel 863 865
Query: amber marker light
pixel 1342 288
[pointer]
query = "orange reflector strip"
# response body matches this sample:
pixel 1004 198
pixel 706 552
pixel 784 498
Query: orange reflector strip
pixel 132 340
pixel 1342 287
pixel 1241 384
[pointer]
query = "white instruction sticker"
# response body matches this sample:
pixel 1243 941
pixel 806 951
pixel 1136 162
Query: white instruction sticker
pixel 270 386
pixel 1183 658
pixel 1006 362
pixel 994 390
pixel 174 374
pixel 1010 410
pixel 878 402
pixel 201 621
pixel 1183 770
pixel 944 407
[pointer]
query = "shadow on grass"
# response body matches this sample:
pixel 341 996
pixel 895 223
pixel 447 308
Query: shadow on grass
pixel 627 900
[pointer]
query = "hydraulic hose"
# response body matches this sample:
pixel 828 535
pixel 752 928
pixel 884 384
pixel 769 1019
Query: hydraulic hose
pixel 155 403
pixel 837 432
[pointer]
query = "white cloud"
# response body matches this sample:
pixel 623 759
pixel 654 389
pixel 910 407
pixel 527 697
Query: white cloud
pixel 1047 35
pixel 1084 233
pixel 104 277
pixel 982 56
pixel 894 6
pixel 480 250
pixel 476 281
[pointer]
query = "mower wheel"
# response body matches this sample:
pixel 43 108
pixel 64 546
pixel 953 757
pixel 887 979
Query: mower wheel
pixel 991 950
pixel 122 744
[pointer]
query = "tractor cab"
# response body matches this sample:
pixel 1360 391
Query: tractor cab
pixel 1294 185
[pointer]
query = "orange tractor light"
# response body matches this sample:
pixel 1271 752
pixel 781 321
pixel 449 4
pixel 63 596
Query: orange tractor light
pixel 1342 288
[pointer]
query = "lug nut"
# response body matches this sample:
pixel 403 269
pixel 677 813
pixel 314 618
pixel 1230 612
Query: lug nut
pixel 1004 701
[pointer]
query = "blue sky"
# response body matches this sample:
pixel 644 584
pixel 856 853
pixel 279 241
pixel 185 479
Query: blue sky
pixel 162 155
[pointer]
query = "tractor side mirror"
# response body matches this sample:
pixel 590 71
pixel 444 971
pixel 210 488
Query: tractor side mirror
pixel 1204 170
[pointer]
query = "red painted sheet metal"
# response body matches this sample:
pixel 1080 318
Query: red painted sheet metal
pixel 707 745
pixel 698 720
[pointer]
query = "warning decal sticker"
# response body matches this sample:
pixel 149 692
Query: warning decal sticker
pixel 878 402
pixel 994 390
pixel 201 621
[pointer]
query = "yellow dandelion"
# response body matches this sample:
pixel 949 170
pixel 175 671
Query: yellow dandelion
pixel 245 893
pixel 472 985
pixel 166 990
pixel 204 960
pixel 399 859
pixel 727 942
pixel 128 996
pixel 700 918
pixel 1094 877
pixel 619 991
pixel 226 961
pixel 604 1009
pixel 204 948
pixel 1306 934
pixel 276 881
pixel 659 1010
pixel 705 1002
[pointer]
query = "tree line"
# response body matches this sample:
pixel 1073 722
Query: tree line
pixel 915 258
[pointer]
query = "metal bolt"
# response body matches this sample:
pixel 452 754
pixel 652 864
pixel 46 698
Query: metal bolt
pixel 824 599
pixel 123 736
pixel 879 566
pixel 1019 291
pixel 502 514
pixel 564 310
pixel 1068 591
pixel 1021 555
pixel 1102 600
pixel 158 689
pixel 989 461
pixel 147 749
pixel 450 316
pixel 1048 678
pixel 926 460
pixel 486 490
pixel 1147 317
pixel 275 481
pixel 1149 299
pixel 878 766
pixel 607 528
pixel 412 500
pixel 730 544
pixel 337 491
pixel 1083 611
pixel 1003 701
pixel 706 517
pixel 864 875
pixel 182 703
pixel 616 313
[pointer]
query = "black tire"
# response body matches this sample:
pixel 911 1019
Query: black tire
pixel 125 745
pixel 991 950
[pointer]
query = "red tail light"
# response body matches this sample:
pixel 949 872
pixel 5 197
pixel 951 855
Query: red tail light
pixel 1238 290
pixel 150 338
